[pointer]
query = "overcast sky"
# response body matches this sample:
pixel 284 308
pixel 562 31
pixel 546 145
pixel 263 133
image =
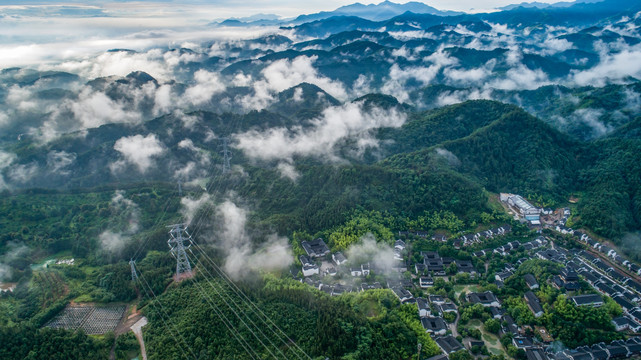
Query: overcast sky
pixel 35 33
pixel 229 8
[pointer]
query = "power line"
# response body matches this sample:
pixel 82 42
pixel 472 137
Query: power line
pixel 224 297
pixel 226 156
pixel 228 324
pixel 252 306
pixel 241 295
pixel 134 275
pixel 177 245
pixel 164 312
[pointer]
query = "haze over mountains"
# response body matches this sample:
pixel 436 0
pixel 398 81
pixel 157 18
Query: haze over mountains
pixel 293 94
pixel 352 125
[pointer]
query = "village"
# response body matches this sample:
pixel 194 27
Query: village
pixel 473 299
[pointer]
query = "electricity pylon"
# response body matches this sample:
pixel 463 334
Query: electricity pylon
pixel 179 242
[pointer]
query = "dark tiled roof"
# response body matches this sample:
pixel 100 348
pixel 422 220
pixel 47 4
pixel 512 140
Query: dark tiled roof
pixel 586 299
pixel 449 344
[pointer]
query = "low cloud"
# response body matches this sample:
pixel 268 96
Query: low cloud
pixel 121 63
pixel 93 109
pixel 612 68
pixel 553 45
pixel 137 150
pixel 197 168
pixel 207 84
pixel 288 171
pixel 591 118
pixel 22 173
pixel 284 74
pixel 191 206
pixel 350 121
pixel 59 161
pixel 113 241
pixel 6 159
pixel 458 96
pixel 451 159
pixel 520 77
pixel 241 256
pixel 377 254
pixel 14 251
pixel 401 80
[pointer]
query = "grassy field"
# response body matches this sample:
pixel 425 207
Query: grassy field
pixel 458 289
pixel 491 341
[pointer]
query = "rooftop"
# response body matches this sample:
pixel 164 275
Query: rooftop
pixel 482 298
pixel 315 248
pixel 533 302
pixel 530 280
pixel 434 324
pixel 449 344
pixel 422 304
pixel 589 299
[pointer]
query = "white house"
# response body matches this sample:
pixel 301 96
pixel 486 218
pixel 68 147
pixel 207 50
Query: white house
pixel 356 271
pixel 339 258
pixel 309 267
pixel 365 269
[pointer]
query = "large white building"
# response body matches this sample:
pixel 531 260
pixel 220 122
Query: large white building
pixel 526 210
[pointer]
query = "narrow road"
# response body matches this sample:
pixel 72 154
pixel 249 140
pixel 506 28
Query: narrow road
pixel 137 329
pixel 454 325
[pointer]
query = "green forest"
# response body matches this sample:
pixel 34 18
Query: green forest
pixel 436 177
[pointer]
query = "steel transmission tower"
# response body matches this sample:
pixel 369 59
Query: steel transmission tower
pixel 179 242
pixel 134 275
pixel 226 156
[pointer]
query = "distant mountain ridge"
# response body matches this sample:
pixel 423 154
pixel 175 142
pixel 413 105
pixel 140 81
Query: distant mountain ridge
pixel 378 12
pixel 575 12
pixel 374 12
pixel 541 5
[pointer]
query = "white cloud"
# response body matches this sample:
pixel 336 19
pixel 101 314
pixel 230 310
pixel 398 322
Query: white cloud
pixel 397 82
pixel 553 45
pixel 367 250
pixel 451 159
pixel 193 169
pixel 139 151
pixel 520 78
pixel 13 251
pixel 591 118
pixel 58 161
pixel 458 96
pixel 94 108
pixel 288 171
pixel 241 255
pixel 319 139
pixel 191 206
pixel 121 63
pixel 612 68
pixel 207 84
pixel 23 172
pixel 6 159
pixel 362 85
pixel 114 241
pixel 469 77
pixel 283 74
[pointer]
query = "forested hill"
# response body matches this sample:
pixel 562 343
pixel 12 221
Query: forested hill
pixel 456 151
pixel 261 138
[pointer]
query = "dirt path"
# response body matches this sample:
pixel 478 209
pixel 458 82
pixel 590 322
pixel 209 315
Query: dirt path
pixel 137 329
pixel 453 326
pixel 127 323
